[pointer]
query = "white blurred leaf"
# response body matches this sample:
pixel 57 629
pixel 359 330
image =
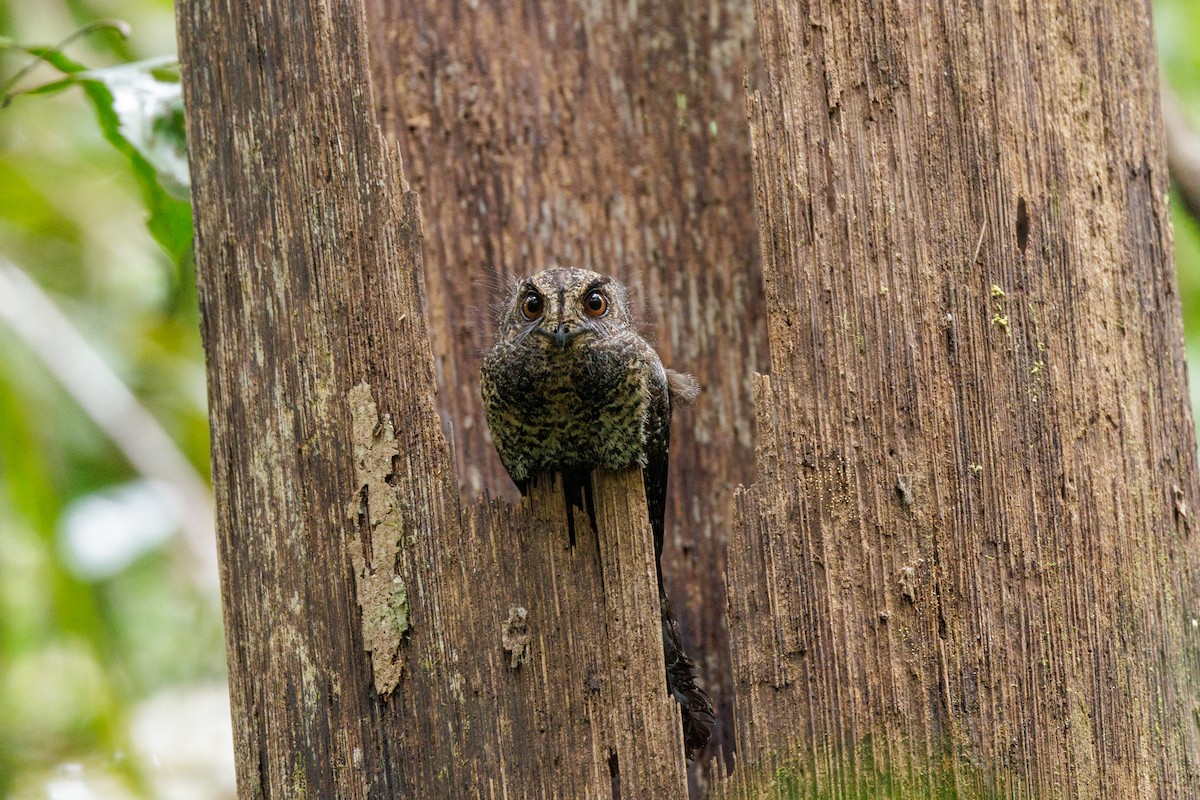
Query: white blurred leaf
pixel 103 533
pixel 150 111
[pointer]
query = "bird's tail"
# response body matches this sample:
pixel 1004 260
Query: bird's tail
pixel 694 704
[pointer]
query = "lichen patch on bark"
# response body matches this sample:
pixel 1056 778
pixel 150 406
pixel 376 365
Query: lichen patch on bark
pixel 382 595
pixel 514 635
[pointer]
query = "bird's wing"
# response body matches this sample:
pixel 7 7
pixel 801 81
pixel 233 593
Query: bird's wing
pixel 658 440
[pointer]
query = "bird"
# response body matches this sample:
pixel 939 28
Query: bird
pixel 571 386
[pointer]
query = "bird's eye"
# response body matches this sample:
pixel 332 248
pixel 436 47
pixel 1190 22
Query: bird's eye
pixel 595 303
pixel 532 306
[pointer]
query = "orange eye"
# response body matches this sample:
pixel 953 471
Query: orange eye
pixel 595 303
pixel 532 306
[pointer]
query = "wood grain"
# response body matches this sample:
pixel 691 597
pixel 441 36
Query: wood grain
pixel 969 565
pixel 384 639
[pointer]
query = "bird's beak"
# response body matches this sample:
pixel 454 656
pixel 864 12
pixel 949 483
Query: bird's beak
pixel 562 335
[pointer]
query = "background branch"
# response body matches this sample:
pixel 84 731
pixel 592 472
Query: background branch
pixel 80 370
pixel 1183 152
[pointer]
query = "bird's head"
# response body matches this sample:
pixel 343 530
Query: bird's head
pixel 558 306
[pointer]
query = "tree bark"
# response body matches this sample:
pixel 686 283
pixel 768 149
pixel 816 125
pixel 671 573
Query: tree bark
pixel 969 566
pixel 384 640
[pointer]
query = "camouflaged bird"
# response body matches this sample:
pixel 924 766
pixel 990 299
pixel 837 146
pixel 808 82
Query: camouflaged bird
pixel 571 386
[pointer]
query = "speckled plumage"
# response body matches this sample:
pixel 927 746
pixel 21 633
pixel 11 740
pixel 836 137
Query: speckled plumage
pixel 568 390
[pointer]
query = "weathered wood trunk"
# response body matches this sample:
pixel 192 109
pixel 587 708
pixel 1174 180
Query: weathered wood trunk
pixel 969 566
pixel 384 640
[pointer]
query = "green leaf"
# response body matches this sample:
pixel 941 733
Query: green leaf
pixel 148 102
pixel 53 87
pixel 139 108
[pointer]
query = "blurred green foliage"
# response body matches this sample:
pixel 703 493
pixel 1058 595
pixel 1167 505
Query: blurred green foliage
pixel 1177 23
pixel 89 215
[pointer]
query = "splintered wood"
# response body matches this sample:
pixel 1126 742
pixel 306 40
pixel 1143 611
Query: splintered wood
pixel 553 670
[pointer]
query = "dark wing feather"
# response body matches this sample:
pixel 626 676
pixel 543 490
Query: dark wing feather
pixel 654 475
pixel 694 705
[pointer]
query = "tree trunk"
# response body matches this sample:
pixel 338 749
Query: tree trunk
pixel 383 639
pixel 610 136
pixel 968 567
